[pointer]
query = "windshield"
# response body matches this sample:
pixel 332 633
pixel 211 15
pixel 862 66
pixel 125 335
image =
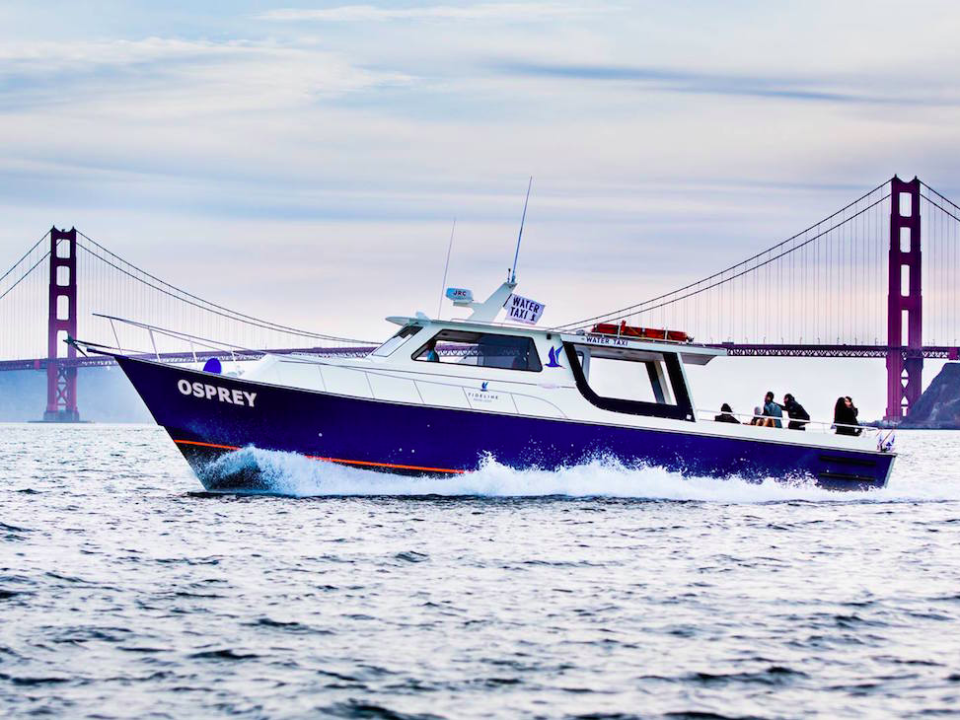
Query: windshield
pixel 397 340
pixel 507 352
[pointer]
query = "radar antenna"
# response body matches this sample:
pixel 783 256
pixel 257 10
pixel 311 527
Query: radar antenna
pixel 516 255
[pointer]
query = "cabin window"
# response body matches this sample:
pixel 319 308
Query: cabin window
pixel 632 381
pixel 397 340
pixel 456 347
pixel 629 380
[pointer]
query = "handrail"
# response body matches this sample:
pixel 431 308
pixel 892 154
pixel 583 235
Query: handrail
pixel 192 340
pixel 176 334
pixel 823 425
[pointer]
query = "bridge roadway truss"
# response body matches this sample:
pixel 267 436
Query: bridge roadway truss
pixel 937 352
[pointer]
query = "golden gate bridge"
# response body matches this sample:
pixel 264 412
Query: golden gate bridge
pixel 875 279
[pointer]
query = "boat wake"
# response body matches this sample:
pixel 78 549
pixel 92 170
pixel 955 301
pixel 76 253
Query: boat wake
pixel 255 471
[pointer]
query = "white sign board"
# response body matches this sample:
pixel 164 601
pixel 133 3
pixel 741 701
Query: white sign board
pixel 524 310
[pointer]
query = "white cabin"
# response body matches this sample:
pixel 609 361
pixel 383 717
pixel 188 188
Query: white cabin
pixel 481 365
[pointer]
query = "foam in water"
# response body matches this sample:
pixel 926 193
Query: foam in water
pixel 293 475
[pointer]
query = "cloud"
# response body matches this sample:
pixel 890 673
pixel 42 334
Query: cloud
pixel 167 77
pixel 500 12
pixel 701 83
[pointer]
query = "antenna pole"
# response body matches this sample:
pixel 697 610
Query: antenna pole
pixel 446 267
pixel 516 255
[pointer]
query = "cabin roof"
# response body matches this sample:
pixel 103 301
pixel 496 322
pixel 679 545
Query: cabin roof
pixel 601 345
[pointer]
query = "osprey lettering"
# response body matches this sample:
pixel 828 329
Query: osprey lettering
pixel 211 392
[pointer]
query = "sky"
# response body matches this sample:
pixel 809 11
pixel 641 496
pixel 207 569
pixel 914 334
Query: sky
pixel 304 162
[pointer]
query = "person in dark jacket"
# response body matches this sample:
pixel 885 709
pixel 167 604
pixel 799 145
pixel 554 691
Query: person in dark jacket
pixel 856 410
pixel 726 415
pixel 798 416
pixel 772 410
pixel 845 417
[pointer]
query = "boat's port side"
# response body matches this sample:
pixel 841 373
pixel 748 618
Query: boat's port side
pixel 437 440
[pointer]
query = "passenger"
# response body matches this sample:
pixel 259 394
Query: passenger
pixel 772 409
pixel 798 416
pixel 845 417
pixel 856 410
pixel 758 418
pixel 432 355
pixel 726 415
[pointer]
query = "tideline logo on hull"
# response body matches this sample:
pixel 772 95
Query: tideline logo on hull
pixel 214 392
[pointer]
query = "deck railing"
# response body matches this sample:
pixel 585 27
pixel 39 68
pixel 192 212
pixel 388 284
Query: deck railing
pixel 708 415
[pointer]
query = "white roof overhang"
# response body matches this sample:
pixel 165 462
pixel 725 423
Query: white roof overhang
pixel 620 348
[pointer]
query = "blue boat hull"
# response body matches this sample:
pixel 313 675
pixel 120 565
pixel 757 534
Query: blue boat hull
pixel 402 438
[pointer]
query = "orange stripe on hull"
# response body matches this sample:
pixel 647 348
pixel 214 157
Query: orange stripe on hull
pixel 209 445
pixel 363 463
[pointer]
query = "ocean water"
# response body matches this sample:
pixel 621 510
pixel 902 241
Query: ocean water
pixel 596 592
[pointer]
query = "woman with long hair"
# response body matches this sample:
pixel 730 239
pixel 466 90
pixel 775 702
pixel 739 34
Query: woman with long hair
pixel 845 417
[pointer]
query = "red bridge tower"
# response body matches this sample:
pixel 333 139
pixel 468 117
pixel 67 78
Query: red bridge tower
pixel 904 301
pixel 61 323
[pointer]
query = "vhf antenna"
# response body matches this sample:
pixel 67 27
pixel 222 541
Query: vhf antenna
pixel 446 267
pixel 516 255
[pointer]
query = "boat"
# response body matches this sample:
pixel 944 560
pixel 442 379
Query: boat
pixel 441 397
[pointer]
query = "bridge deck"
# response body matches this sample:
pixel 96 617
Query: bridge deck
pixel 933 352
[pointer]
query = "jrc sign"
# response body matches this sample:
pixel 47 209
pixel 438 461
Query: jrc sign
pixel 460 295
pixel 521 309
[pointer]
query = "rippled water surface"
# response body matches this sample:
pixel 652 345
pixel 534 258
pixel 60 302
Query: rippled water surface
pixel 126 592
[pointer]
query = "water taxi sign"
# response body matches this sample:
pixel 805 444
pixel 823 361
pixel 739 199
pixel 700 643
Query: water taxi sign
pixel 524 310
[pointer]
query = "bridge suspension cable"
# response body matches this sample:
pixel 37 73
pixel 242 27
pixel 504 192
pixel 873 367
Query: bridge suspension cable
pixel 23 312
pixel 740 269
pixel 25 256
pixel 110 285
pixel 826 285
pixel 139 274
pixel 941 266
